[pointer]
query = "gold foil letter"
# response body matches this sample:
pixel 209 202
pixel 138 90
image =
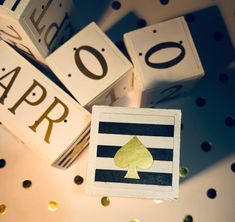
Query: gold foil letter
pixel 8 87
pixel 24 97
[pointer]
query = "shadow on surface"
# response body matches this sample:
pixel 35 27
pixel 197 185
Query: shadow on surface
pixel 127 24
pixel 209 122
pixel 91 11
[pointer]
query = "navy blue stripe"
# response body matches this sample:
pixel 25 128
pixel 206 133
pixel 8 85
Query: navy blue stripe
pixel 2 2
pixel 148 178
pixel 15 5
pixel 136 129
pixel 157 153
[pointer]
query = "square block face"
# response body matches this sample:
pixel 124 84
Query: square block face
pixel 48 24
pixel 134 152
pixel 37 111
pixel 93 64
pixel 163 53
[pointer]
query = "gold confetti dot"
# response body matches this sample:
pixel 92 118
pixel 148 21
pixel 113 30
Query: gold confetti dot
pixel 52 206
pixel 105 201
pixel 135 220
pixel 158 201
pixel 183 171
pixel 3 209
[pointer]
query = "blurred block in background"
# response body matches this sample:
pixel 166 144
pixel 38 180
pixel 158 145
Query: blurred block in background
pixel 36 27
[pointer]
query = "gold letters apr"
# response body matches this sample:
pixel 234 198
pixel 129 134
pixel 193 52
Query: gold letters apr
pixel 25 98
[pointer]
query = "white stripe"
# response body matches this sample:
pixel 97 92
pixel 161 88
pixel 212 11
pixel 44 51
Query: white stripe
pixel 124 186
pixel 137 118
pixel 148 141
pixel 157 167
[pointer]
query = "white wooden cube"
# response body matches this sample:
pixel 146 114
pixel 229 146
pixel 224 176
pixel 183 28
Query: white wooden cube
pixel 95 71
pixel 38 112
pixel 35 27
pixel 134 152
pixel 166 62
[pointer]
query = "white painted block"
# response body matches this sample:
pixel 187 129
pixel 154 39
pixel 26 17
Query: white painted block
pixel 38 112
pixel 35 27
pixel 165 59
pixel 93 69
pixel 134 152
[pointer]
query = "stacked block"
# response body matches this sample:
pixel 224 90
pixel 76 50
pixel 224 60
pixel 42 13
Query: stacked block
pixel 166 62
pixel 35 27
pixel 134 152
pixel 95 71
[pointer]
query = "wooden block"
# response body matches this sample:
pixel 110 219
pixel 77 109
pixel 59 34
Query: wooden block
pixel 39 113
pixel 134 152
pixel 35 27
pixel 166 62
pixel 95 71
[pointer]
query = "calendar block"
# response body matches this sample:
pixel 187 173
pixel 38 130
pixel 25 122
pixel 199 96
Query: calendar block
pixel 134 152
pixel 166 62
pixel 35 27
pixel 95 71
pixel 39 113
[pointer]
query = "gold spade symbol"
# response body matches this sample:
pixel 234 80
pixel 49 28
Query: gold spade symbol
pixel 132 155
